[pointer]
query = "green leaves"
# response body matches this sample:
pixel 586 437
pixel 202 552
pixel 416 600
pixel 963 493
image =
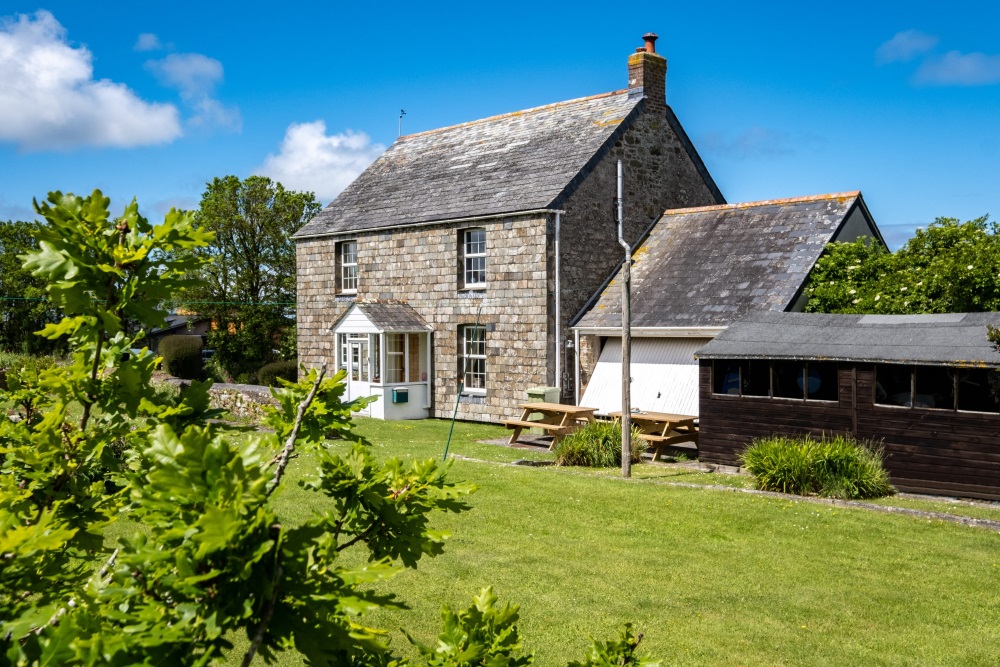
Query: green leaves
pixel 483 634
pixel 387 507
pixel 948 267
pixel 615 653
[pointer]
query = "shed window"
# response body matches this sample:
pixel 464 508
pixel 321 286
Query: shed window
pixel 821 381
pixel 726 378
pixel 812 381
pixel 935 388
pixel 938 387
pixel 893 385
pixel 756 378
pixel 742 378
pixel 978 390
pixel 788 382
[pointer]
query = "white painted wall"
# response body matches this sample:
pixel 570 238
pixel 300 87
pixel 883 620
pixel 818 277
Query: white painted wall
pixel 664 376
pixel 384 408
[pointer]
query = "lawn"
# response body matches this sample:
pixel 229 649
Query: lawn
pixel 711 576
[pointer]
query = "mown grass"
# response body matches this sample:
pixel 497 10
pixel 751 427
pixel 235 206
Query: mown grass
pixel 712 577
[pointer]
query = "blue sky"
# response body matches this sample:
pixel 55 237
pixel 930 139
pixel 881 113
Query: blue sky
pixel 153 99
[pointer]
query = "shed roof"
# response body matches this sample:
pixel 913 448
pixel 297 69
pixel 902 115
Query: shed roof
pixel 522 161
pixel 388 316
pixel 711 265
pixel 945 339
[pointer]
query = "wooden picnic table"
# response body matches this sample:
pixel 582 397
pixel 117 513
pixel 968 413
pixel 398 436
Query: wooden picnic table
pixel 557 419
pixel 662 429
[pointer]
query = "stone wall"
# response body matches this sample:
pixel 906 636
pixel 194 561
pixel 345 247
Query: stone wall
pixel 419 265
pixel 658 175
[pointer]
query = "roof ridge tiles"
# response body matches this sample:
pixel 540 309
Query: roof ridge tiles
pixel 764 202
pixel 509 114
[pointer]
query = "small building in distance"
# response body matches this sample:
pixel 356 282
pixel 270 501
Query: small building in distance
pixel 695 271
pixel 927 387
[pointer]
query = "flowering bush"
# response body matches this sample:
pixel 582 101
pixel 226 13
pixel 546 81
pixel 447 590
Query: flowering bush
pixel 949 267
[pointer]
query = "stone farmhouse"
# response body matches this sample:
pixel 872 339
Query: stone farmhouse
pixel 447 274
pixel 697 271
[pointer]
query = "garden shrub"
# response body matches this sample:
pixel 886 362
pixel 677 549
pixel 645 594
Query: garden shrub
pixel 834 467
pixel 268 375
pixel 598 445
pixel 182 356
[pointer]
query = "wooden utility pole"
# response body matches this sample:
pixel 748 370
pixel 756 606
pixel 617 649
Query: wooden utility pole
pixel 626 340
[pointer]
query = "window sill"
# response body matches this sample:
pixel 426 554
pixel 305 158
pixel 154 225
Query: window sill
pixel 473 399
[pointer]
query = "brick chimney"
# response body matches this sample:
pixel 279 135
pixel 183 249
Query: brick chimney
pixel 647 70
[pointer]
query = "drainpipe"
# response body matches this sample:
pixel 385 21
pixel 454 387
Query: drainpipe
pixel 576 369
pixel 558 303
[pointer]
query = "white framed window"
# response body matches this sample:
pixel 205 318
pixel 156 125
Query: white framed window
pixel 347 267
pixel 473 257
pixel 395 358
pixel 472 358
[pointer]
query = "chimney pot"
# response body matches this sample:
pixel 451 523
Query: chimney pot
pixel 641 49
pixel 650 38
pixel 647 70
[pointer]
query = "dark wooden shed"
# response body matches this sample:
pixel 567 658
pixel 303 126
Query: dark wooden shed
pixel 926 386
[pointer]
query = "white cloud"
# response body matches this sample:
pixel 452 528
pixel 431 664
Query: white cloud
pixel 905 46
pixel 960 69
pixel 148 42
pixel 311 160
pixel 49 98
pixel 193 74
pixel 196 76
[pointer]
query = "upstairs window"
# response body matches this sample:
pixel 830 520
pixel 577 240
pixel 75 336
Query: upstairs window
pixel 472 358
pixel 347 267
pixel 472 251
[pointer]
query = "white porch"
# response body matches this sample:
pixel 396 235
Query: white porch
pixel 386 350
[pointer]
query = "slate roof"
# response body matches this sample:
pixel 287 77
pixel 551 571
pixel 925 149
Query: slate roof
pixel 389 316
pixel 952 338
pixel 711 265
pixel 515 162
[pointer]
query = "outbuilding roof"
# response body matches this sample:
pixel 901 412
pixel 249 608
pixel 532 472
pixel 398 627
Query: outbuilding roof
pixel 711 265
pixel 954 339
pixel 523 161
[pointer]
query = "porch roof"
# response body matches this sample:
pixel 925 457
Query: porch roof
pixel 383 316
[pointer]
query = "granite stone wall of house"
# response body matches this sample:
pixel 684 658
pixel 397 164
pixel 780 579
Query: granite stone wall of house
pixel 420 265
pixel 658 174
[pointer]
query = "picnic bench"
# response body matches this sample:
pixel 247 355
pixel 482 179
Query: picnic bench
pixel 662 429
pixel 557 420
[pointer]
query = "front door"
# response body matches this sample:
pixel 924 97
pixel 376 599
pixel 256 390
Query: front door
pixel 358 382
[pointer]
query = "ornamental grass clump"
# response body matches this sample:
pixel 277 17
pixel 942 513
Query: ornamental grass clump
pixel 833 467
pixel 598 445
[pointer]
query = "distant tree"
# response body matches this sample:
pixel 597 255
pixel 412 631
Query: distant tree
pixel 248 288
pixel 950 267
pixel 24 306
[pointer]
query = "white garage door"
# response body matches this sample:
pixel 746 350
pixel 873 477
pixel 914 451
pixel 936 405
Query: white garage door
pixel 664 376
